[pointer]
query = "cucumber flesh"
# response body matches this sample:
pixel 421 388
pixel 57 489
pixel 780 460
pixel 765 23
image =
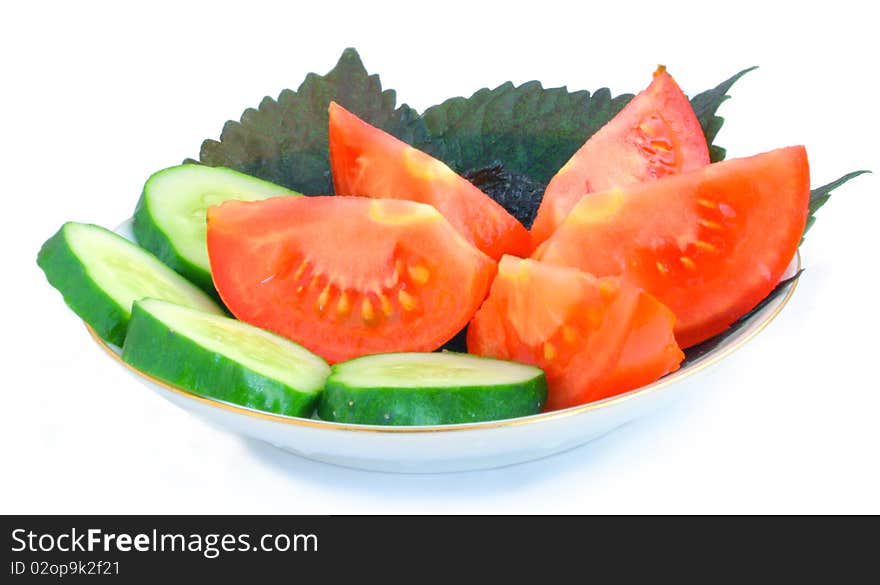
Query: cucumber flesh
pixel 430 388
pixel 223 358
pixel 100 274
pixel 169 220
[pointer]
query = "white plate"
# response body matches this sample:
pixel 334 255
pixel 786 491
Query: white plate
pixel 442 448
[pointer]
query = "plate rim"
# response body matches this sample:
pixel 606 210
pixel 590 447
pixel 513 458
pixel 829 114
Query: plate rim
pixel 474 426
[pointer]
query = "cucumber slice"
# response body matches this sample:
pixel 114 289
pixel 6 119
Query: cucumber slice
pixel 169 220
pixel 429 389
pixel 100 274
pixel 223 358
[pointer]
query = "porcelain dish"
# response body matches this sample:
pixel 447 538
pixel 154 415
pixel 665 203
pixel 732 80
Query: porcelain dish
pixel 460 447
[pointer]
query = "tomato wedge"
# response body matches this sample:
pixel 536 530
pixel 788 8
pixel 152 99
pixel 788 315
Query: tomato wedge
pixel 368 162
pixel 593 337
pixel 346 276
pixel 710 244
pixel 655 135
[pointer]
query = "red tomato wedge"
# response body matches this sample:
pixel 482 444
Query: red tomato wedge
pixel 368 162
pixel 593 337
pixel 655 135
pixel 709 244
pixel 346 276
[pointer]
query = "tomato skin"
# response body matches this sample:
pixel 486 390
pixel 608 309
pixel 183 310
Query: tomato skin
pixel 369 162
pixel 710 244
pixel 594 338
pixel 655 135
pixel 346 276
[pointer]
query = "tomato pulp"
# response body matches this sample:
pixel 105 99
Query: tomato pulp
pixel 710 244
pixel 593 337
pixel 368 162
pixel 654 135
pixel 346 276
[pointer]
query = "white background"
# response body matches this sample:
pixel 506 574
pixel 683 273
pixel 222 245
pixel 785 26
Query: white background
pixel 96 97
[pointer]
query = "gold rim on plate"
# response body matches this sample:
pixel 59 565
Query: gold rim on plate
pixel 535 418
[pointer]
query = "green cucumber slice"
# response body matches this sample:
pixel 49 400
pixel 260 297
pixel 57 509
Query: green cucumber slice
pixel 222 358
pixel 169 220
pixel 430 389
pixel 100 274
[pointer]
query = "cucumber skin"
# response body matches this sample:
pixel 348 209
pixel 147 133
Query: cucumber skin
pixel 65 272
pixel 430 406
pixel 153 348
pixel 153 239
